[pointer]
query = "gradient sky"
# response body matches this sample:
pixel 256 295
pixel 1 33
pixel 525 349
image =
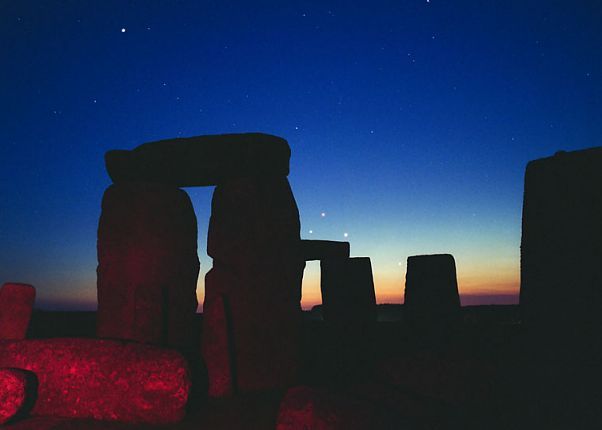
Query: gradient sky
pixel 410 122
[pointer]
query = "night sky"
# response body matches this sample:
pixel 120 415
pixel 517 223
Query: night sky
pixel 410 122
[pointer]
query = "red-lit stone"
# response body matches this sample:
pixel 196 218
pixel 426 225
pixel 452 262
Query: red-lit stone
pixel 147 265
pixel 256 280
pixel 318 409
pixel 16 304
pixel 16 388
pixel 103 379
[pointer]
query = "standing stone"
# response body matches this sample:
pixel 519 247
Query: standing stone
pixel 347 290
pixel 16 304
pixel 431 298
pixel 561 247
pixel 147 264
pixel 254 285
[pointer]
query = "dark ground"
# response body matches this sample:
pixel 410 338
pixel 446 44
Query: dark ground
pixel 483 373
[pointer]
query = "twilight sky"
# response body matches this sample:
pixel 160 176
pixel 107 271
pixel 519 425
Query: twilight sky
pixel 410 122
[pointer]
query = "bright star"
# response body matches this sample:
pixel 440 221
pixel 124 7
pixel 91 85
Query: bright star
pixel 345 234
pixel 323 214
pixel 123 30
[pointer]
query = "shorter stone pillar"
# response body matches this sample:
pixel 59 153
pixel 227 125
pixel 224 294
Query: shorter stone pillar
pixel 16 305
pixel 347 290
pixel 147 265
pixel 431 298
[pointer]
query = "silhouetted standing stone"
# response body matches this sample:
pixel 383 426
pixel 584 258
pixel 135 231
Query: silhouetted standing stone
pixel 561 247
pixel 254 285
pixel 324 249
pixel 16 304
pixel 431 294
pixel 201 160
pixel 147 264
pixel 347 290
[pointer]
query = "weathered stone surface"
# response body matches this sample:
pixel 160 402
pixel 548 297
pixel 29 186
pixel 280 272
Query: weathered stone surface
pixel 256 283
pixel 324 249
pixel 561 248
pixel 17 392
pixel 102 379
pixel 201 160
pixel 16 304
pixel 348 291
pixel 147 264
pixel 318 409
pixel 431 292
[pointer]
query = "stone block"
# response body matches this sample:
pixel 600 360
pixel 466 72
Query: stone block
pixel 324 249
pixel 561 248
pixel 201 160
pixel 348 291
pixel 16 305
pixel 103 379
pixel 147 265
pixel 17 393
pixel 431 293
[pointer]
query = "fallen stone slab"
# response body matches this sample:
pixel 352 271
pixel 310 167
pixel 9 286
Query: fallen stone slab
pixel 16 304
pixel 348 291
pixel 201 160
pixel 17 393
pixel 323 249
pixel 147 265
pixel 103 379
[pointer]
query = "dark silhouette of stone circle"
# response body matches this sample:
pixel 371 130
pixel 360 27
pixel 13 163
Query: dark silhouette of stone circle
pixel 312 250
pixel 431 300
pixel 561 247
pixel 347 291
pixel 201 160
pixel 147 264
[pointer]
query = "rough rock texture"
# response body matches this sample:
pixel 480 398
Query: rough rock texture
pixel 102 379
pixel 147 264
pixel 561 247
pixel 254 285
pixel 431 293
pixel 316 409
pixel 324 249
pixel 16 304
pixel 17 393
pixel 202 160
pixel 348 290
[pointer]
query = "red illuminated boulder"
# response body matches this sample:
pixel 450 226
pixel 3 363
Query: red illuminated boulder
pixel 147 265
pixel 17 392
pixel 16 304
pixel 102 379
pixel 254 286
pixel 201 160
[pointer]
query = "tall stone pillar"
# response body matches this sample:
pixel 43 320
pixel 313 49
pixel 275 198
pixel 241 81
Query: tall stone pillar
pixel 16 305
pixel 254 286
pixel 147 264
